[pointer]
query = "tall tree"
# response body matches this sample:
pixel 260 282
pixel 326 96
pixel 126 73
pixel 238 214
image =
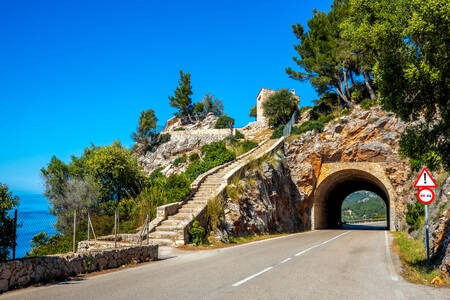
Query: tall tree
pixel 279 107
pixel 181 99
pixel 212 104
pixel 146 126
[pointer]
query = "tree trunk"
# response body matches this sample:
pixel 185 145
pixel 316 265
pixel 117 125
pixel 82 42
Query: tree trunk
pixel 373 96
pixel 343 97
pixel 351 78
pixel 347 91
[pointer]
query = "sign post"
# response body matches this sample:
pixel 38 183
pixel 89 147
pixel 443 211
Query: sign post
pixel 426 196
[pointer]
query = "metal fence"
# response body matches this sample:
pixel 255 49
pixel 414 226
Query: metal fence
pixel 90 226
pixel 288 127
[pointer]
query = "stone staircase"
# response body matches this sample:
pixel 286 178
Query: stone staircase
pixel 173 231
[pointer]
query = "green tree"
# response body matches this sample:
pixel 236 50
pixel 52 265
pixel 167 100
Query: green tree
pixel 181 99
pixel 7 202
pixel 146 127
pixel 199 109
pixel 253 112
pixel 324 57
pixel 279 107
pixel 213 105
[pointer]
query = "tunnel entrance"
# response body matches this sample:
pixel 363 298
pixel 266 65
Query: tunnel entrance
pixel 334 188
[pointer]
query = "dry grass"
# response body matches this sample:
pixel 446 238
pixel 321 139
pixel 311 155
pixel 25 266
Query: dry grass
pixel 412 254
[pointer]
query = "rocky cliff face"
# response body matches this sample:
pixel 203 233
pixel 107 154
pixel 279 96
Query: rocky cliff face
pixel 262 202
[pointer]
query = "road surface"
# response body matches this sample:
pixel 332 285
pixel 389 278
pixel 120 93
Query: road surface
pixel 326 264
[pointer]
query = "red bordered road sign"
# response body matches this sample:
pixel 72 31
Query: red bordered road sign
pixel 425 195
pixel 425 180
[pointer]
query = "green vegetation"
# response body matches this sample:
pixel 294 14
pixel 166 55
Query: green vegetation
pixel 7 202
pixel 197 233
pixel 253 112
pixel 400 50
pixel 179 160
pixel 194 157
pixel 414 258
pixel 361 206
pixel 311 125
pixel 239 135
pixel 181 100
pixel 211 104
pixel 415 214
pixel 224 122
pixel 214 211
pixel 279 107
pixel 146 126
pixel 278 132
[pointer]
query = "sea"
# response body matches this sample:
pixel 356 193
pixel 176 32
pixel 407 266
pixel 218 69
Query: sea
pixel 33 216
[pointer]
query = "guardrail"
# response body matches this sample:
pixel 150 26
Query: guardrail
pixel 288 127
pixel 364 221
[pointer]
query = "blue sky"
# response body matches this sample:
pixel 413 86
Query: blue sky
pixel 76 72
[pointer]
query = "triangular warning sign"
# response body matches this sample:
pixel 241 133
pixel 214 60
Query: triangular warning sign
pixel 425 180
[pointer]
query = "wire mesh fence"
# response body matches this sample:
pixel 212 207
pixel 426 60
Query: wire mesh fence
pixel 288 127
pixel 37 234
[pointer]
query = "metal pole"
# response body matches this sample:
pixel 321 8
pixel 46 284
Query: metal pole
pixel 426 233
pixel 74 230
pixel 89 222
pixel 115 228
pixel 15 235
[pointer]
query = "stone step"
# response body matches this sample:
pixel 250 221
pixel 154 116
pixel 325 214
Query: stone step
pixel 189 209
pixel 163 234
pixel 165 228
pixel 181 216
pixel 161 242
pixel 199 202
pixel 170 222
pixel 193 205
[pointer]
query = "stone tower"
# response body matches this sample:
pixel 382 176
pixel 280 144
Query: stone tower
pixel 262 96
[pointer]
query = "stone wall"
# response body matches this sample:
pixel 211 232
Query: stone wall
pixel 26 271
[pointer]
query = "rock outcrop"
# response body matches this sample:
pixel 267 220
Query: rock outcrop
pixel 262 202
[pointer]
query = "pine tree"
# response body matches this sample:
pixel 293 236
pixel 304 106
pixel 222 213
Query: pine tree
pixel 181 99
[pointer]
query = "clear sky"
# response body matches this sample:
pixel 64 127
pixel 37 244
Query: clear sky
pixel 76 72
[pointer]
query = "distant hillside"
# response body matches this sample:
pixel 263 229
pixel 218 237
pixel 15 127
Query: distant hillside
pixel 363 205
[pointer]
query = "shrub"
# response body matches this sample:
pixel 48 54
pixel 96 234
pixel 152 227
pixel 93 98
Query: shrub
pixel 214 211
pixel 304 109
pixel 179 160
pixel 194 157
pixel 224 122
pixel 295 130
pixel 248 145
pixel 162 139
pixel 311 125
pixel 325 118
pixel 414 215
pixel 177 188
pixel 343 121
pixel 180 129
pixel 7 202
pixel 156 174
pixel 197 233
pixel 253 112
pixel 239 135
pixel 368 103
pixel 345 111
pixel 278 132
pixel 279 107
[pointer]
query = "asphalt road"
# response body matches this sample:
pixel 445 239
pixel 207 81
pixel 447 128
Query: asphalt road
pixel 326 264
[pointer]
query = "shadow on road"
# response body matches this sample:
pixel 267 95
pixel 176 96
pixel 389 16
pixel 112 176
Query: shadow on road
pixel 375 226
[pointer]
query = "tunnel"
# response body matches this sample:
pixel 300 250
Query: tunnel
pixel 333 190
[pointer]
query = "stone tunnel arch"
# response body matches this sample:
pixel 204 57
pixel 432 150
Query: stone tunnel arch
pixel 338 180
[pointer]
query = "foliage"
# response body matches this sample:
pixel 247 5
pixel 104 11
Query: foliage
pixel 239 135
pixel 48 245
pixel 7 202
pixel 113 169
pixel 278 132
pixel 279 107
pixel 240 147
pixel 413 256
pixel 325 119
pixel 367 208
pixel 212 104
pixel 253 112
pixel 194 157
pixel 181 100
pixel 305 109
pixel 224 122
pixel 199 109
pixel 179 160
pixel 197 233
pixel 368 103
pixel 162 139
pixel 214 211
pixel 414 215
pixel 295 130
pixel 311 125
pixel 146 126
pixel 179 129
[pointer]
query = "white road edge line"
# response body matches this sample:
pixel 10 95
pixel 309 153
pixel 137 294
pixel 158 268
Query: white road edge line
pixel 251 277
pixel 391 268
pixel 287 259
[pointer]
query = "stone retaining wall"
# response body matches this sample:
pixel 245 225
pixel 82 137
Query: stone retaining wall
pixel 26 271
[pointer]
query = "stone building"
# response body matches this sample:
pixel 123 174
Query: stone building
pixel 262 96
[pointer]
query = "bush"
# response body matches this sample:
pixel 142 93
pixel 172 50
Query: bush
pixel 7 202
pixel 325 118
pixel 295 130
pixel 214 211
pixel 239 135
pixel 278 132
pixel 279 107
pixel 345 111
pixel 312 125
pixel 343 121
pixel 248 145
pixel 177 188
pixel 194 157
pixel 224 122
pixel 162 139
pixel 197 233
pixel 180 129
pixel 304 109
pixel 368 103
pixel 179 160
pixel 414 215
